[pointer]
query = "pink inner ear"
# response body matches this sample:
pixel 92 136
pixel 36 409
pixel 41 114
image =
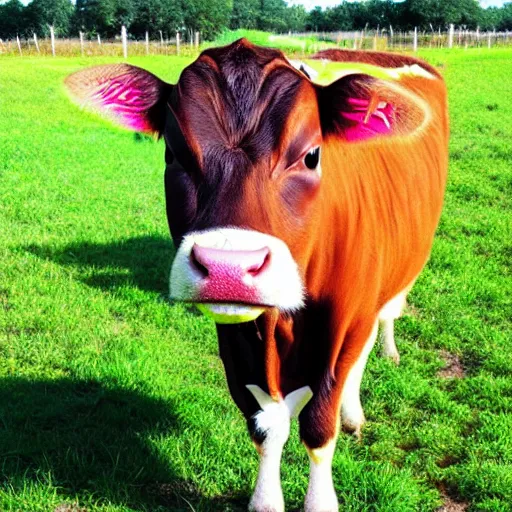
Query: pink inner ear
pixel 366 123
pixel 122 97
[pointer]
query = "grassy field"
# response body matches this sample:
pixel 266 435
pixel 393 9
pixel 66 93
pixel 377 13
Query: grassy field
pixel 111 399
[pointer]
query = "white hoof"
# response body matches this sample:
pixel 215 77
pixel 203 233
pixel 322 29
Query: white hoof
pixel 326 501
pixel 271 502
pixel 392 354
pixel 352 417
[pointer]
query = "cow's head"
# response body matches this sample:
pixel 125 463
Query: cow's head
pixel 244 131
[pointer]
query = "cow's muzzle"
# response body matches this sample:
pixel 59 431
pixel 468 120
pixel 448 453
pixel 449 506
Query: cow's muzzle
pixel 234 274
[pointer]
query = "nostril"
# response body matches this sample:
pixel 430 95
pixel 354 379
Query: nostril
pixel 211 262
pixel 195 260
pixel 259 266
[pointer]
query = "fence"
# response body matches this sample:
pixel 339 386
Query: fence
pixel 385 39
pixel 388 39
pixel 119 46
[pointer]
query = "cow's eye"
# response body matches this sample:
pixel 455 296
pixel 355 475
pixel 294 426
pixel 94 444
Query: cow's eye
pixel 312 158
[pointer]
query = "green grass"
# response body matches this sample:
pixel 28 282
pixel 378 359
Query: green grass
pixel 294 44
pixel 111 399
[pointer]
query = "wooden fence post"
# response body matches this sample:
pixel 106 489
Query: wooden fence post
pixel 80 33
pixel 450 36
pixel 36 43
pixel 124 39
pixel 415 40
pixel 99 40
pixel 52 37
pixel 147 43
pixel 197 41
pixel 19 44
pixel 177 43
pixel 161 39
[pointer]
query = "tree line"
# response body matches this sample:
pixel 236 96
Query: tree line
pixel 210 17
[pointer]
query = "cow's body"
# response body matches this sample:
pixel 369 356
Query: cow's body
pixel 358 231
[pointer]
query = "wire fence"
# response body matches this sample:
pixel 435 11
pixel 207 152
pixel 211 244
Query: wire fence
pixel 119 46
pixel 190 45
pixel 387 39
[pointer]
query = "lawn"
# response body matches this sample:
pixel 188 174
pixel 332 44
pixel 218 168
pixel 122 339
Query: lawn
pixel 112 399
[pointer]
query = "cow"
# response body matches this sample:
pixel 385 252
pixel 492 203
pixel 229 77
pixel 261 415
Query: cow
pixel 302 198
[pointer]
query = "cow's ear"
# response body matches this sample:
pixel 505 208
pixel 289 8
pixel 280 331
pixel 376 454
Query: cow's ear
pixel 128 95
pixel 358 107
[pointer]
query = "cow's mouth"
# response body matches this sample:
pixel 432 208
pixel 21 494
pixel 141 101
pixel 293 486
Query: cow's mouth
pixel 230 313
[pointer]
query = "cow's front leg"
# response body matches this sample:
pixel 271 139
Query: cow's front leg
pixel 321 496
pixel 320 420
pixel 319 426
pixel 270 428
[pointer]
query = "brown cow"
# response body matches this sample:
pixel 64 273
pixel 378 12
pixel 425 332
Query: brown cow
pixel 302 214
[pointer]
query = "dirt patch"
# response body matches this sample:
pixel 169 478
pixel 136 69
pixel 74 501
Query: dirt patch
pixel 447 461
pixel 67 507
pixel 450 504
pixel 453 506
pixel 453 369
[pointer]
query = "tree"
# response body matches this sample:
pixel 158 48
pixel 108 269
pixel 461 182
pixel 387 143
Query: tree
pixel 316 20
pixel 39 14
pixel 440 13
pixel 338 18
pixel 382 13
pixel 296 16
pixel 245 14
pixel 505 21
pixel 124 14
pixel 103 17
pixel 94 16
pixel 11 19
pixel 208 17
pixel 273 16
pixel 156 15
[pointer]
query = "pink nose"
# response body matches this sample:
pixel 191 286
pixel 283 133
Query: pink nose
pixel 219 261
pixel 229 276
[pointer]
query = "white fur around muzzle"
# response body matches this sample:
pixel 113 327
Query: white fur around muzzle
pixel 280 285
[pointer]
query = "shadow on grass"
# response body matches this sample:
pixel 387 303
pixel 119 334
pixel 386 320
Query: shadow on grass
pixel 143 261
pixel 94 439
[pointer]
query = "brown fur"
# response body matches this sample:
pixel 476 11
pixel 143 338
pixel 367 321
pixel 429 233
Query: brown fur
pixel 237 126
pixel 366 238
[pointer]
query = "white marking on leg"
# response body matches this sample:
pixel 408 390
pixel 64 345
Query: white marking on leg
pixel 387 316
pixel 274 421
pixel 352 415
pixel 321 496
pixel 388 340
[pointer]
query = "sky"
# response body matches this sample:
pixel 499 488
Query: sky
pixel 309 4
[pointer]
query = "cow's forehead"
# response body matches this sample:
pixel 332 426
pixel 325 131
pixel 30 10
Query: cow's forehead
pixel 236 98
